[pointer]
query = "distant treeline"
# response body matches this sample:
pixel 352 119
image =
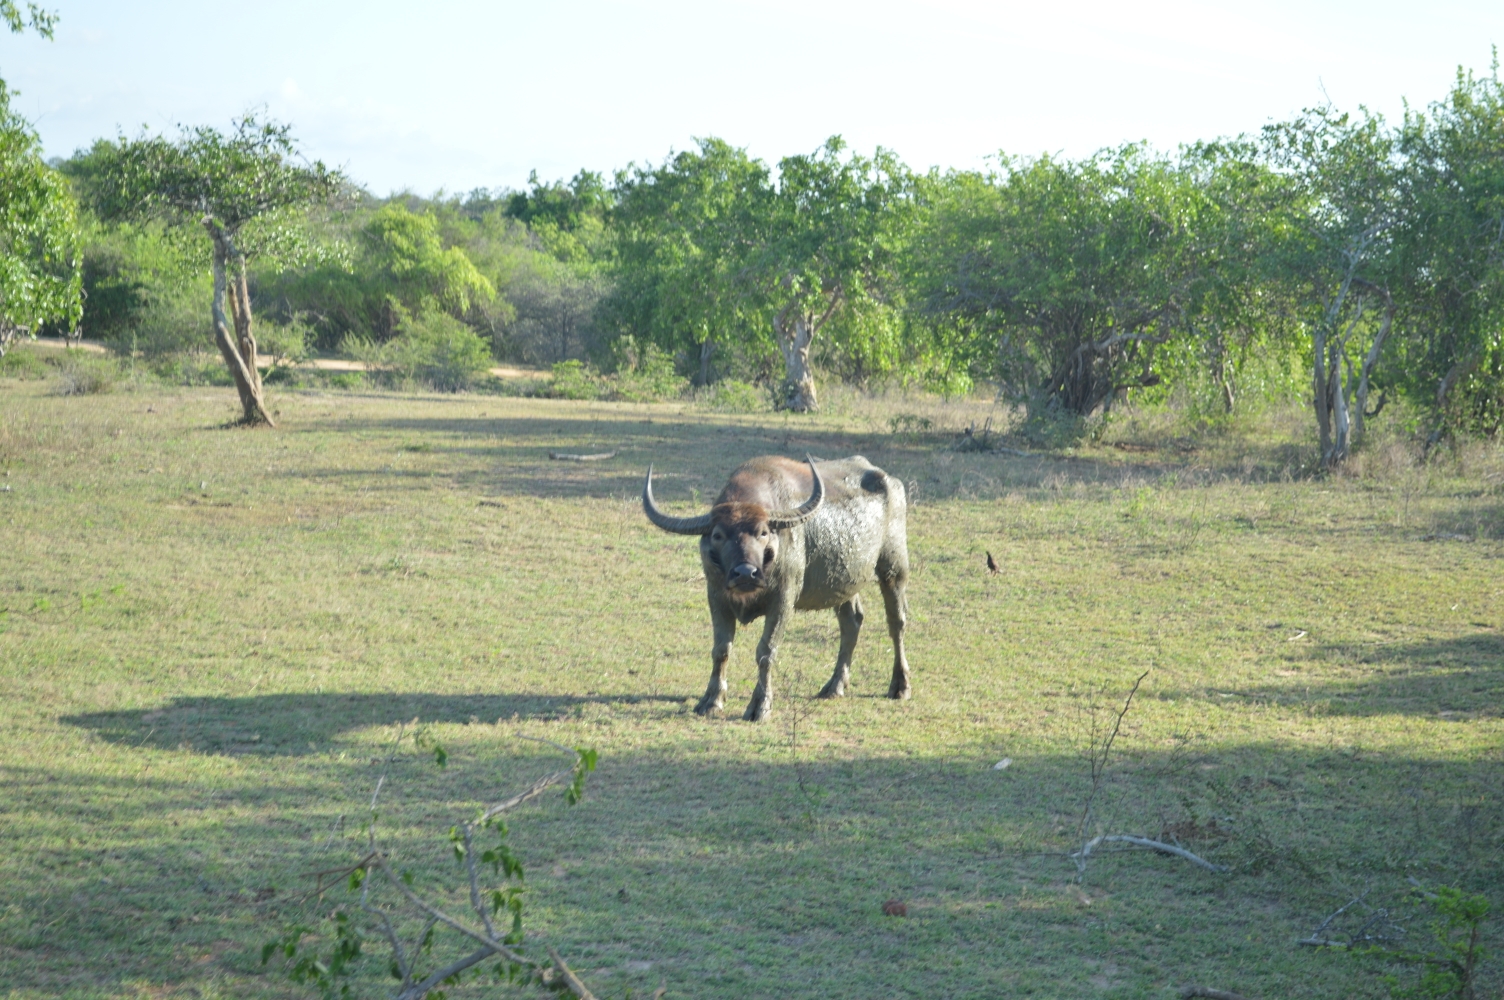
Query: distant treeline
pixel 1340 257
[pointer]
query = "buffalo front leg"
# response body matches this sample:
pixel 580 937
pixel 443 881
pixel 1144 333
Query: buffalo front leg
pixel 850 617
pixel 896 604
pixel 715 692
pixel 767 650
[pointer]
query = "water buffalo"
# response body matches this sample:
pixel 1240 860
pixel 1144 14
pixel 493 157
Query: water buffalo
pixel 785 535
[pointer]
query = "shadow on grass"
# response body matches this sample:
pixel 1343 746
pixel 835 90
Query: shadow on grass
pixel 669 849
pixel 697 454
pixel 1458 678
pixel 299 724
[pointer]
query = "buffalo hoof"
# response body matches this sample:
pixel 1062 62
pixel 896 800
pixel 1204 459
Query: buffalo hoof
pixel 758 709
pixel 898 693
pixel 834 688
pixel 709 706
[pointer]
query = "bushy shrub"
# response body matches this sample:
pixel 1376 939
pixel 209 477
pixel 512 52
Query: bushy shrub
pixel 347 380
pixel 433 349
pixel 192 368
pixel 733 396
pixel 22 364
pixel 86 376
pixel 575 380
pixel 652 377
pixel 285 343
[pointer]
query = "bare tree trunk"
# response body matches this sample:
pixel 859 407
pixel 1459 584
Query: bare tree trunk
pixel 706 350
pixel 1341 417
pixel 8 333
pixel 1365 371
pixel 236 343
pixel 794 335
pixel 1322 384
pixel 1224 378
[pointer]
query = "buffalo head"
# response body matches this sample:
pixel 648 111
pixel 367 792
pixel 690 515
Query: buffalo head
pixel 740 537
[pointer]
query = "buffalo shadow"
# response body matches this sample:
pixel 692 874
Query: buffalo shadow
pixel 300 724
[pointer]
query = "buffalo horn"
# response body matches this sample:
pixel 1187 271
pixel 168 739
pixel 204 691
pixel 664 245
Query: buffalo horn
pixel 678 525
pixel 806 510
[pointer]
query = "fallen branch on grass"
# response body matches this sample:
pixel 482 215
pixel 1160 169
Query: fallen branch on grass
pixel 1209 994
pixel 1143 842
pixel 559 456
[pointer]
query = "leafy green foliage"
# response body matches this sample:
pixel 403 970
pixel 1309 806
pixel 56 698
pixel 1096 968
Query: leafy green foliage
pixel 41 20
pixel 575 794
pixel 414 272
pixel 1448 968
pixel 40 279
pixel 324 970
pixel 433 349
pixel 253 172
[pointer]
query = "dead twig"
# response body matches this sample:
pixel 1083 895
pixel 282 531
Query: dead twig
pixel 1210 994
pixel 1316 940
pixel 1143 842
pixel 570 979
pixel 1098 755
pixel 559 456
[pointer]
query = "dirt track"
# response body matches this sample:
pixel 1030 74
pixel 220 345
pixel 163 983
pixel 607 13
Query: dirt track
pixel 323 364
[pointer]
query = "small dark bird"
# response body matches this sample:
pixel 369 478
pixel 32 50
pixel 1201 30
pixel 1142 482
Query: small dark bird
pixel 992 566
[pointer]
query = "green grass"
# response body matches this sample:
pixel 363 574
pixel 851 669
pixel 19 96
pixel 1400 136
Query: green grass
pixel 212 634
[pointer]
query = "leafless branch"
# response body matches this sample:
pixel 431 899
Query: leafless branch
pixel 1209 994
pixel 570 979
pixel 475 901
pixel 1144 842
pixel 1100 754
pixel 559 456
pixel 420 990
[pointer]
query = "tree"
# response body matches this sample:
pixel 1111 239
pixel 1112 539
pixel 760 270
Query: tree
pixel 683 235
pixel 39 266
pixel 1336 255
pixel 826 251
pixel 241 187
pixel 413 273
pixel 1237 329
pixel 1076 271
pixel 40 275
pixel 569 220
pixel 1450 245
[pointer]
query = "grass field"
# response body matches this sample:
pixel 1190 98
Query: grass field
pixel 212 635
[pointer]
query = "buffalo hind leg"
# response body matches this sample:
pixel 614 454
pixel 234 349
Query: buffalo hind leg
pixel 715 692
pixel 767 650
pixel 896 604
pixel 850 617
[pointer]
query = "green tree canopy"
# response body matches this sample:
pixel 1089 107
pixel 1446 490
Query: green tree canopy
pixel 1450 250
pixel 683 233
pixel 1073 271
pixel 408 264
pixel 1336 256
pixel 40 278
pixel 242 187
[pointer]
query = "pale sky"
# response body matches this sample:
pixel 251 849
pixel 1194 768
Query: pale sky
pixel 456 95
